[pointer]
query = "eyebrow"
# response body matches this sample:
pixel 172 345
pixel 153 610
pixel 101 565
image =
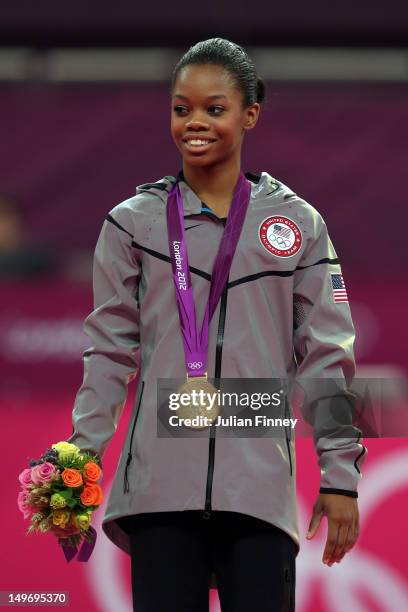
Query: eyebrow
pixel 208 97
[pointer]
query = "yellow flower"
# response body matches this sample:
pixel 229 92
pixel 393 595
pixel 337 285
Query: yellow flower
pixel 83 520
pixel 60 517
pixel 44 525
pixel 65 449
pixel 57 501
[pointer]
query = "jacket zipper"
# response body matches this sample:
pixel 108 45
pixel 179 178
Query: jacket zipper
pixel 129 457
pixel 218 357
pixel 287 416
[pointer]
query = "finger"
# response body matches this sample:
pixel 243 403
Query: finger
pixel 356 531
pixel 351 537
pixel 339 559
pixel 314 524
pixel 331 541
pixel 340 549
pixel 340 539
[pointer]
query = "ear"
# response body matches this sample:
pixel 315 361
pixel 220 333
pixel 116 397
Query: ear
pixel 251 116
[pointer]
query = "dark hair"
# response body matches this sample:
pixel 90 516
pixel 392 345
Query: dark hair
pixel 232 57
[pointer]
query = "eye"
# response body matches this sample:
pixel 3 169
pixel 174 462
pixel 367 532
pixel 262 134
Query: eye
pixel 180 110
pixel 215 109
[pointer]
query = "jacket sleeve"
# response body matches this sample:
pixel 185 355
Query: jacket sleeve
pixel 110 363
pixel 323 340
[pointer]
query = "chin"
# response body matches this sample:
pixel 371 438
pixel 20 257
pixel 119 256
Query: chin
pixel 198 161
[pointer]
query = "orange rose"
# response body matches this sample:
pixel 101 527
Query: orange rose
pixel 91 495
pixel 92 472
pixel 72 477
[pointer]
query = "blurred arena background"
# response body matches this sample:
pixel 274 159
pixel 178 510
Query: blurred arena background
pixel 85 109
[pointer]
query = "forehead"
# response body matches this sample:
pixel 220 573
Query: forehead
pixel 205 80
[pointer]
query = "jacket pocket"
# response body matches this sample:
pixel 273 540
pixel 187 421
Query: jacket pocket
pixel 129 457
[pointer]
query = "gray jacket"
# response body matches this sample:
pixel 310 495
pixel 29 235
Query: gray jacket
pixel 277 317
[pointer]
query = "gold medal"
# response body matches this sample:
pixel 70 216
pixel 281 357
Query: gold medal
pixel 202 407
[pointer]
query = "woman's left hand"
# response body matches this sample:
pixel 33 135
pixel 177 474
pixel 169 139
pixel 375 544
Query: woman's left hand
pixel 343 525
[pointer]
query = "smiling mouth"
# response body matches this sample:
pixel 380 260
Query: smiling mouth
pixel 198 143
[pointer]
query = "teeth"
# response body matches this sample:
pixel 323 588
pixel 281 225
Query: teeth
pixel 197 142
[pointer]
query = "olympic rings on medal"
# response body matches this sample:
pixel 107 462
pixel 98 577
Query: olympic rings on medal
pixel 195 365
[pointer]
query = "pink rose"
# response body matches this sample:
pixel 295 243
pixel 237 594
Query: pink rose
pixel 25 477
pixel 42 472
pixel 22 503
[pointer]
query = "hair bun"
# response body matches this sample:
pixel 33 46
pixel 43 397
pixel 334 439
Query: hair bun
pixel 260 90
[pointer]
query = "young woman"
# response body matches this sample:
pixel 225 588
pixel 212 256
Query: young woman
pixel 253 263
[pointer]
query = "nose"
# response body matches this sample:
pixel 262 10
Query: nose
pixel 196 125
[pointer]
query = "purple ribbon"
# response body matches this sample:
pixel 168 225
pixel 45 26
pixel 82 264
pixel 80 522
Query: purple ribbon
pixel 195 345
pixel 85 550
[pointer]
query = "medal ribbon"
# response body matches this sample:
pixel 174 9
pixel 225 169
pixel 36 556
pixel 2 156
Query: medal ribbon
pixel 195 345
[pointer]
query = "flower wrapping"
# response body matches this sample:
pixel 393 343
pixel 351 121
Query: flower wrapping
pixel 59 492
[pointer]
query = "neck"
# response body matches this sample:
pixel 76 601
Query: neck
pixel 214 184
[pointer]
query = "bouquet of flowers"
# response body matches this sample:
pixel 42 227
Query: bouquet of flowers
pixel 59 493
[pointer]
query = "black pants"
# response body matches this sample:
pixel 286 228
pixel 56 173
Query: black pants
pixel 173 555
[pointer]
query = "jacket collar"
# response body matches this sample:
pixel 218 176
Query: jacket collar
pixel 262 185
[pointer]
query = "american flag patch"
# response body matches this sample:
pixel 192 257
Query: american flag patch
pixel 338 288
pixel 280 230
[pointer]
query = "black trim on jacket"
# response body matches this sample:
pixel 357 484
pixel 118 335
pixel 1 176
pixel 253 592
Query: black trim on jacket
pixel 338 491
pixel 357 458
pixel 203 274
pixel 217 376
pixel 129 457
pixel 167 258
pixel 112 220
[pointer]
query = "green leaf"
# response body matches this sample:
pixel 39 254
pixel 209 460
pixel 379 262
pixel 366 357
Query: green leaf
pixel 59 486
pixel 66 493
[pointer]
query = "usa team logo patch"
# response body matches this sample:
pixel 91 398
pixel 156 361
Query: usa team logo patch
pixel 338 288
pixel 280 236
